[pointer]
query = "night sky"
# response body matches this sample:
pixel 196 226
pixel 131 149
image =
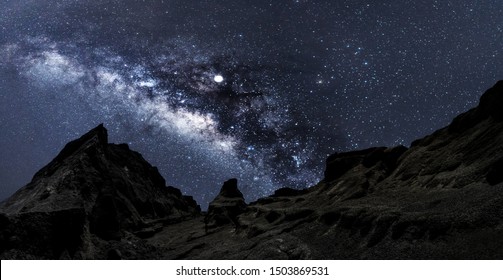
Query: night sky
pixel 258 90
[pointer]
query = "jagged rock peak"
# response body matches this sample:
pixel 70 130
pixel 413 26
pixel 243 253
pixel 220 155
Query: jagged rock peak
pixel 99 132
pixel 226 206
pixel 97 135
pixel 230 189
pixel 106 190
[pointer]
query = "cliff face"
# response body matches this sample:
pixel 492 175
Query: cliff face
pixel 91 189
pixel 440 198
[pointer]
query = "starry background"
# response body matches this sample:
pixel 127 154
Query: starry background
pixel 258 90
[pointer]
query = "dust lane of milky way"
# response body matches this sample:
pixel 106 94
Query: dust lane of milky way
pixel 256 90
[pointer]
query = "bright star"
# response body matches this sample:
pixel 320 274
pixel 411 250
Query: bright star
pixel 218 78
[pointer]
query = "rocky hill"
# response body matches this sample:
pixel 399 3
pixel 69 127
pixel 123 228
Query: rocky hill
pixel 439 199
pixel 92 192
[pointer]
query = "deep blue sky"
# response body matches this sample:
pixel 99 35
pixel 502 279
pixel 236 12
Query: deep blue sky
pixel 302 79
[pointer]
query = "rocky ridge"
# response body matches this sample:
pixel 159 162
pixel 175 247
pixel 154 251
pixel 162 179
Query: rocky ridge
pixel 439 199
pixel 91 191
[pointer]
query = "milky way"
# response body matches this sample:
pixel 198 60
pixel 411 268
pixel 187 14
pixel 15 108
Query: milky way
pixel 256 90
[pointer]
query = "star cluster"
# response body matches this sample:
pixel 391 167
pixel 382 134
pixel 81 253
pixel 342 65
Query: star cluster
pixel 256 90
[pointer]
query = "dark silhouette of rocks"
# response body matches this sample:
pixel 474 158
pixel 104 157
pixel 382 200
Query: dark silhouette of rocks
pixel 439 199
pixel 91 189
pixel 226 207
pixel 230 190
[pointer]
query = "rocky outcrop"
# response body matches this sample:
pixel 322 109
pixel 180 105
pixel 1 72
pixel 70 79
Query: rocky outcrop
pixel 226 207
pixel 92 188
pixel 439 199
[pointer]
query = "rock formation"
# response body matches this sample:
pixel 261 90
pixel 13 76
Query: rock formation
pixel 226 207
pixel 91 190
pixel 439 199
